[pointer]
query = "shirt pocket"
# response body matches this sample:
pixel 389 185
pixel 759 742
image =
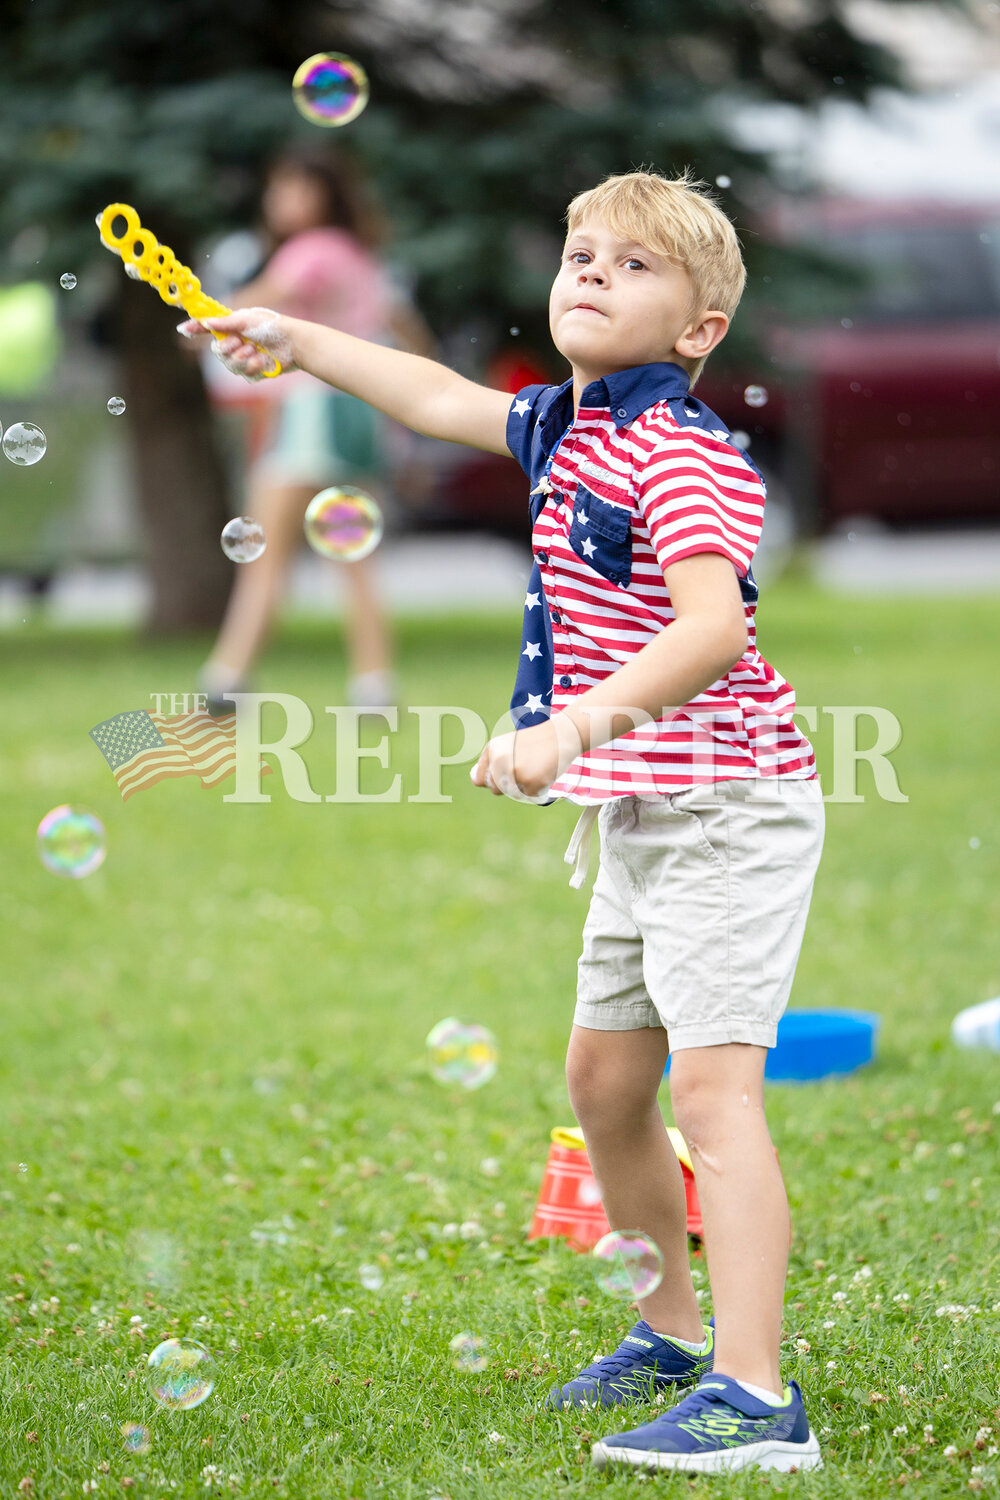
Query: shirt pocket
pixel 601 534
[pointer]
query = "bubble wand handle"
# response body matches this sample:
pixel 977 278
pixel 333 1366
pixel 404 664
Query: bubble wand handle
pixel 157 264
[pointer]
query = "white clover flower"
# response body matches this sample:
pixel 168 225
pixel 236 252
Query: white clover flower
pixel 957 1148
pixel 951 1451
pixel 900 1431
pixel 928 1428
pixel 829 1324
pixel 840 1298
pixel 978 1469
pixel 803 1346
pixel 470 1229
pixel 901 1297
pixel 831 1364
pixel 496 1437
pixel 825 1431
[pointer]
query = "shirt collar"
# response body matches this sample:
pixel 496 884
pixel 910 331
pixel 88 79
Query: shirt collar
pixel 625 393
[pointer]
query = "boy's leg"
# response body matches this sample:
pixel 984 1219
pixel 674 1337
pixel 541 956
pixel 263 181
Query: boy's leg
pixel 718 1101
pixel 613 1079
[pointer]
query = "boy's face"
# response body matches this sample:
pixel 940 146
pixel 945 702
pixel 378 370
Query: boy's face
pixel 615 304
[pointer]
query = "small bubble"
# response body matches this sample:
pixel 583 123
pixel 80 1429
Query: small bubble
pixel 67 281
pixel 24 443
pixel 462 1053
pixel 135 1438
pixel 852 536
pixel 974 843
pixel 755 395
pixel 468 1354
pixel 71 842
pixel 22 1166
pixel 723 181
pixel 116 406
pixel 740 440
pixel 847 322
pixel 371 1278
pixel 243 539
pixel 514 332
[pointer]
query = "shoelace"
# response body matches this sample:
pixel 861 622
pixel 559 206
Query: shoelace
pixel 614 1364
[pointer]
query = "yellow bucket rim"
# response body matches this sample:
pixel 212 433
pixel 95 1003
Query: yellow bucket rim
pixel 571 1136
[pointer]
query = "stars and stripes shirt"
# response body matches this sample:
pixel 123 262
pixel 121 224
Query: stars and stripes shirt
pixel 644 475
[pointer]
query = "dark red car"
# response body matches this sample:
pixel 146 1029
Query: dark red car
pixel 893 409
pixel 889 408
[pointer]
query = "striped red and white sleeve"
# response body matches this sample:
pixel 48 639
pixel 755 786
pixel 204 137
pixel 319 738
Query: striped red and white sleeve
pixel 698 494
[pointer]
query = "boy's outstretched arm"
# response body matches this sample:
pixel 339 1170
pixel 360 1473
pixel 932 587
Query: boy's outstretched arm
pixel 423 395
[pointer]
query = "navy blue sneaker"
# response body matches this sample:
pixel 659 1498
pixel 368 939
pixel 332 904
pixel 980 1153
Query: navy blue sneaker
pixel 643 1365
pixel 718 1427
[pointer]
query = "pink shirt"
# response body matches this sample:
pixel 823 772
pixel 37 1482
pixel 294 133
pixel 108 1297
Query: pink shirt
pixel 330 278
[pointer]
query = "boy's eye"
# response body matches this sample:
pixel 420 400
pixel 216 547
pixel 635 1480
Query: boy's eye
pixel 634 261
pixel 575 255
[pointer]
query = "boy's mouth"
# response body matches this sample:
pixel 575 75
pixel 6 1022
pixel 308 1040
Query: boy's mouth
pixel 586 307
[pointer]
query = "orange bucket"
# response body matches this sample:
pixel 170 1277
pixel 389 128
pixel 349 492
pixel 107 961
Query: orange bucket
pixel 569 1200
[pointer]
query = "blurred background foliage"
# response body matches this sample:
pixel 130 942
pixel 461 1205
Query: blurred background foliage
pixel 485 118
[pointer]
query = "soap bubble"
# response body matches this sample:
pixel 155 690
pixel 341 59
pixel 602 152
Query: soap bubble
pixel 71 842
pixel 180 1374
pixel 627 1264
pixel 343 523
pixel 243 539
pixel 135 1438
pixel 755 395
pixel 330 89
pixel 24 443
pixel 67 281
pixel 740 439
pixel 460 1052
pixel 116 406
pixel 371 1278
pixel 468 1353
pixel 723 181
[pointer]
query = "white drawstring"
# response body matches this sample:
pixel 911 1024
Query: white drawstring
pixel 578 849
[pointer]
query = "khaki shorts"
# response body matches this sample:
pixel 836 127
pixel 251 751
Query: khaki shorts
pixel 698 910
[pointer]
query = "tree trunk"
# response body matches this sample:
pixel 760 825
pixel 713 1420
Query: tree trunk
pixel 180 476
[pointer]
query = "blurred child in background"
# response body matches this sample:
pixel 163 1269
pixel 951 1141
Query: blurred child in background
pixel 324 267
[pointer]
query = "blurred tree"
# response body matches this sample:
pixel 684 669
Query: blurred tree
pixel 486 116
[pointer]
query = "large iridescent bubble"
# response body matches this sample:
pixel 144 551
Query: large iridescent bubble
pixel 330 88
pixel 627 1264
pixel 343 523
pixel 180 1373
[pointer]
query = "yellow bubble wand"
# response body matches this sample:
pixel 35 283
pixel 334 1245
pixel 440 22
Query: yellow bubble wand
pixel 157 264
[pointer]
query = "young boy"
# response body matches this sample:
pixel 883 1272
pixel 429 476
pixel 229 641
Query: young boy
pixel 642 697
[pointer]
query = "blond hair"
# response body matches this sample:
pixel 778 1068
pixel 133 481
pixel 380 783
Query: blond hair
pixel 679 219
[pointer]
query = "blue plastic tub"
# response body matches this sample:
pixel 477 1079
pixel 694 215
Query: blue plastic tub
pixel 820 1044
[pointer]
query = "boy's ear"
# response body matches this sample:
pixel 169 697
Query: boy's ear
pixel 701 337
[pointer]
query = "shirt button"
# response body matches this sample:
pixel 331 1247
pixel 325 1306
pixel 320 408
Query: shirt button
pixel 623 411
pixel 542 557
pixel 556 619
pixel 565 681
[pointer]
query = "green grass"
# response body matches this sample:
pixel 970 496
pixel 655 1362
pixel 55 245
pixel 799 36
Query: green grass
pixel 224 1027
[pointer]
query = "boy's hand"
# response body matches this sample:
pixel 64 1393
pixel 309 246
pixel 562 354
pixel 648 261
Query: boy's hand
pixel 524 764
pixel 244 331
